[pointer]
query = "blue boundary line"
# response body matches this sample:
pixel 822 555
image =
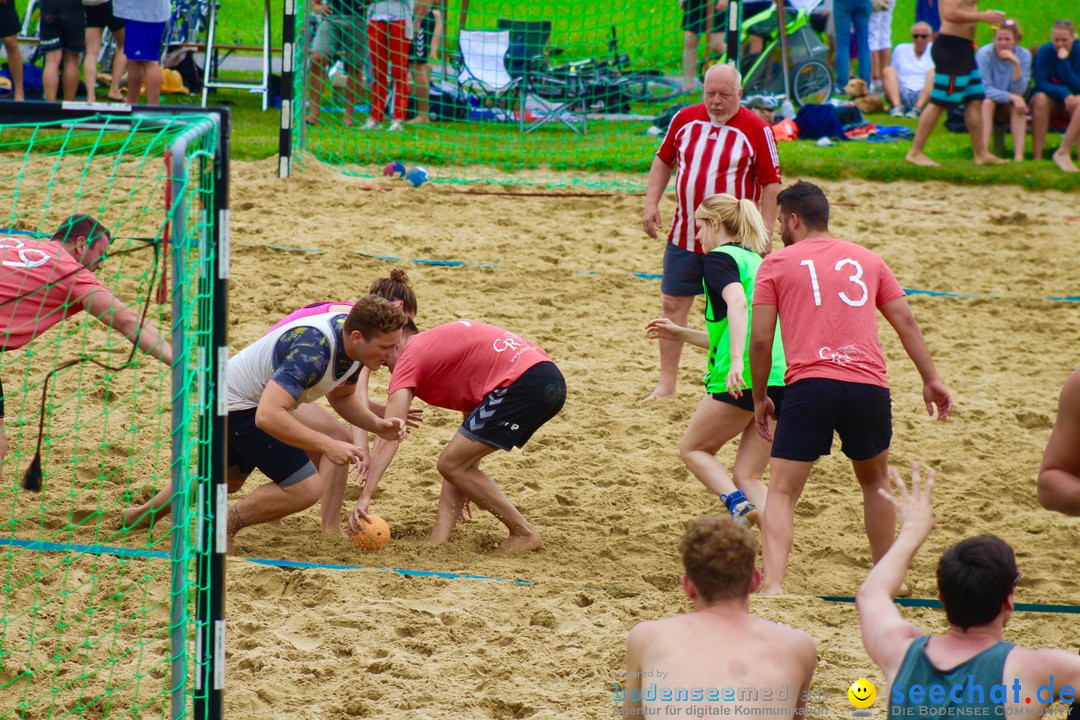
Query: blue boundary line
pixel 39 545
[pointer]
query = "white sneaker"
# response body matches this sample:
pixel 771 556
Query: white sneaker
pixel 913 113
pixel 396 126
pixel 896 111
pixel 370 124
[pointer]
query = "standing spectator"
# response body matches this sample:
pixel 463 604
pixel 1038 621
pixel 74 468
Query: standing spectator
pixel 1059 476
pixel 390 26
pixel 880 42
pixel 99 15
pixel 1006 70
pixel 341 31
pixel 63 37
pixel 426 44
pixel 927 11
pixel 9 35
pixel 716 146
pixel 852 14
pixel 700 17
pixel 1057 91
pixel 956 79
pixel 827 293
pixel 144 27
pixel 910 75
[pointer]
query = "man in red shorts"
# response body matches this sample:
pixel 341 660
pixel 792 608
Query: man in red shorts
pixel 505 386
pixel 827 292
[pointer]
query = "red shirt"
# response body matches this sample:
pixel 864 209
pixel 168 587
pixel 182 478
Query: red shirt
pixel 456 365
pixel 827 292
pixel 40 285
pixel 737 158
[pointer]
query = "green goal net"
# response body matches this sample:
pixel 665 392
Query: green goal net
pixel 545 92
pixel 98 619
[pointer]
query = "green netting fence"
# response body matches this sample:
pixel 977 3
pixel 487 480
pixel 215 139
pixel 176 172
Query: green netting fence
pixel 99 620
pixel 545 92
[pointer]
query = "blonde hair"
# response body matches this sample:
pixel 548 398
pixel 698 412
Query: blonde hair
pixel 740 218
pixel 1066 25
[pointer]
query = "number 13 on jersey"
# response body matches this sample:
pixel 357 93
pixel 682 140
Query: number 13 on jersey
pixel 855 278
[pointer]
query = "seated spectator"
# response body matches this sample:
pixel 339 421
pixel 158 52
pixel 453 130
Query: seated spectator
pixel 720 644
pixel 976 580
pixel 1006 70
pixel 910 75
pixel 1057 90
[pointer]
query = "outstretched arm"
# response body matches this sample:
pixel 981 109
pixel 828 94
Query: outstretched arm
pixel 1059 476
pixel 664 329
pixel 898 313
pixel 113 313
pixel 397 407
pixel 886 635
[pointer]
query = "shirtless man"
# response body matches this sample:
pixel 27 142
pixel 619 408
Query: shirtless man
pixel 976 578
pixel 694 660
pixel 956 79
pixel 1059 476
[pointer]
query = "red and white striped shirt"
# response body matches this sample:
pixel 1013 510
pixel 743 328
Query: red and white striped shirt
pixel 738 158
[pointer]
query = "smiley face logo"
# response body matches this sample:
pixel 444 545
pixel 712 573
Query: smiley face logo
pixel 862 693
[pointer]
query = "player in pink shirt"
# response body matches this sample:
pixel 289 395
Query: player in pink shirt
pixel 43 282
pixel 505 386
pixel 827 293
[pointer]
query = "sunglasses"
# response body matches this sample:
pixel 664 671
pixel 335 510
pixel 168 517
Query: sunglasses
pixel 920 36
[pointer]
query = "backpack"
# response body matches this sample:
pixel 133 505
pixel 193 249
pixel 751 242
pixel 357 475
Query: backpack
pixel 818 121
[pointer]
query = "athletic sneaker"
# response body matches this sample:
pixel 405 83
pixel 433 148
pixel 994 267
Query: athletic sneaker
pixel 370 125
pixel 743 512
pixel 913 113
pixel 396 126
pixel 896 111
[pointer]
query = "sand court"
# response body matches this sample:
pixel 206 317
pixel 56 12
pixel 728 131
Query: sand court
pixel 603 482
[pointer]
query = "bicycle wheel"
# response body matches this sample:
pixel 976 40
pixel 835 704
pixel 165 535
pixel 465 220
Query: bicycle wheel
pixel 811 83
pixel 649 86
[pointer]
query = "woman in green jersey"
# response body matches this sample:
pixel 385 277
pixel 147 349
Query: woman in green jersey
pixel 733 237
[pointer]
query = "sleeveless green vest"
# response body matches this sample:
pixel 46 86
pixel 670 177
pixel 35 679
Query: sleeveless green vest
pixel 748 263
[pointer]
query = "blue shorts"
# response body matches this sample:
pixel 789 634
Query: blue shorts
pixel 142 40
pixel 684 272
pixel 813 408
pixel 250 448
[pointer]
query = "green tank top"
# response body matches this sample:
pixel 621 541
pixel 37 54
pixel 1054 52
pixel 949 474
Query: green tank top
pixel 748 263
pixel 976 683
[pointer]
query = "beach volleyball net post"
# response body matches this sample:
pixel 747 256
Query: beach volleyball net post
pixel 549 92
pixel 97 619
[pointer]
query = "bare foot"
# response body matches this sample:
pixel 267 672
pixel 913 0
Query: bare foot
pixel 903 591
pixel 347 121
pixel 420 119
pixel 1064 161
pixel 311 119
pixel 920 159
pixel 116 98
pixel 136 518
pixel 990 160
pixel 660 392
pixel 770 590
pixel 516 544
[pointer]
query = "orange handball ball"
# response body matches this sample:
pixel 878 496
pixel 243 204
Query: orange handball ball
pixel 374 535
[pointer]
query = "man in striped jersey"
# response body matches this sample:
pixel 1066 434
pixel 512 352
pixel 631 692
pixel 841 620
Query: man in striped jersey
pixel 716 146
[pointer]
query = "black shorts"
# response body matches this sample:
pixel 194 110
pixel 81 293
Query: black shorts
pixel 101 16
pixel 509 416
pixel 420 47
pixel 957 80
pixel 696 15
pixel 1 401
pixel 813 408
pixel 250 448
pixel 746 402
pixel 63 27
pixel 9 19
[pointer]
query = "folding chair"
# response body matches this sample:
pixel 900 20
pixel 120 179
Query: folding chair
pixel 483 67
pixel 526 58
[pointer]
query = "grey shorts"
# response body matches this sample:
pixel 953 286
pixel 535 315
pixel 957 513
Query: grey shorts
pixel 908 98
pixel 344 35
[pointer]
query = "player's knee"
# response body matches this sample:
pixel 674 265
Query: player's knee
pixel 308 491
pixel 449 468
